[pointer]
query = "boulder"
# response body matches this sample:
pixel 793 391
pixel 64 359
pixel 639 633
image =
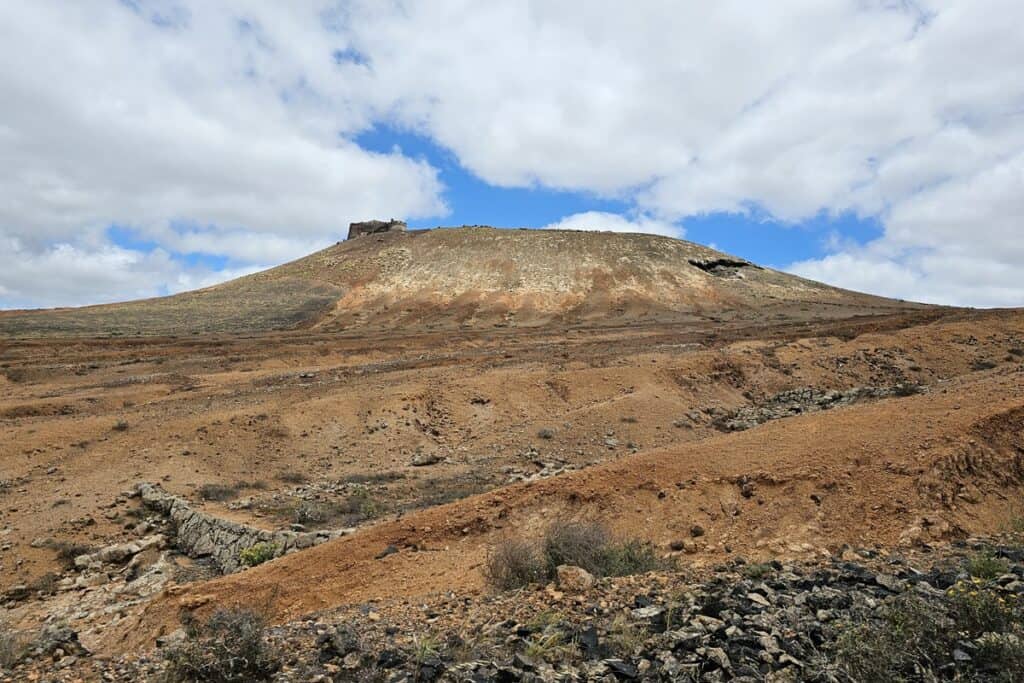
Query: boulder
pixel 574 579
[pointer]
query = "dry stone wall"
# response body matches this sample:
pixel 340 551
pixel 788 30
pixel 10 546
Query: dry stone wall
pixel 203 535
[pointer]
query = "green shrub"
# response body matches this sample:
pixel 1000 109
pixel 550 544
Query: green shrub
pixel 258 554
pixel 912 636
pixel 592 546
pixel 978 609
pixel 12 649
pixel 986 566
pixel 516 562
pixel 1003 652
pixel 228 648
pixel 756 570
pixel 631 557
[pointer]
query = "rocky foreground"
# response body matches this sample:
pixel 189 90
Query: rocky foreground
pixel 944 613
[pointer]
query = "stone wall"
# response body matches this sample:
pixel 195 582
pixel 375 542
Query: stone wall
pixel 374 227
pixel 202 535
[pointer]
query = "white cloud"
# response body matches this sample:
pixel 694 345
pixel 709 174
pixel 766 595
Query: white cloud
pixel 613 222
pixel 911 111
pixel 960 242
pixel 236 117
pixel 109 117
pixel 66 274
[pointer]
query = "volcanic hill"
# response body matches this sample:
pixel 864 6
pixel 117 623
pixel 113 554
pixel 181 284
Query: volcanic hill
pixel 472 277
pixel 371 424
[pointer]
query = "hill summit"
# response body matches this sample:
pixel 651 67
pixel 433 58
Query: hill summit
pixel 473 277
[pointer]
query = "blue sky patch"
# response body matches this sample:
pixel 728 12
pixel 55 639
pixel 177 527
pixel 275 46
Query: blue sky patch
pixel 752 235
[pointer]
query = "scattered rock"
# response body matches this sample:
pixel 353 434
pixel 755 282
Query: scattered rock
pixel 425 459
pixel 390 550
pixel 574 579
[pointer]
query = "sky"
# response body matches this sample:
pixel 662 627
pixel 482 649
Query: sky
pixel 154 146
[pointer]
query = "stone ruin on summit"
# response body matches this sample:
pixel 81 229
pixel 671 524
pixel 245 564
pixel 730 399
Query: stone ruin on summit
pixel 374 227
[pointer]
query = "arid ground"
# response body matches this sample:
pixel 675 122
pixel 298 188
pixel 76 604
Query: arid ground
pixel 784 431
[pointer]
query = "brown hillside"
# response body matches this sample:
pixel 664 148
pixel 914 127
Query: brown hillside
pixel 473 277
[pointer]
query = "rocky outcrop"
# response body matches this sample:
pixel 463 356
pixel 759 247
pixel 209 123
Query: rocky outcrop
pixel 374 227
pixel 805 400
pixel 199 534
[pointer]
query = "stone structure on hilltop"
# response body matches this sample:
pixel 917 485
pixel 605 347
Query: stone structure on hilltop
pixel 374 227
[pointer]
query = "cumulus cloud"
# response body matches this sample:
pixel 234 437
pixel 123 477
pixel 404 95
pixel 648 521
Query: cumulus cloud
pixel 960 242
pixel 238 119
pixel 910 112
pixel 613 222
pixel 66 274
pixel 146 114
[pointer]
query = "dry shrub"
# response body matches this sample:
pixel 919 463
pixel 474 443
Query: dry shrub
pixel 514 563
pixel 218 492
pixel 12 648
pixel 230 647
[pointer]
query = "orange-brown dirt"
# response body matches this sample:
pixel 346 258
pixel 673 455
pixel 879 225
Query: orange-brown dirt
pixel 473 278
pixel 631 407
pixel 602 369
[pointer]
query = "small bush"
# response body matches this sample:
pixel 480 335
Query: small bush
pixel 756 571
pixel 120 426
pixel 631 557
pixel 986 566
pixel 625 637
pixel 314 512
pixel 580 544
pixel 590 545
pixel 67 551
pixel 517 562
pixel 218 492
pixel 546 433
pixel 514 563
pixel 424 648
pixel 12 648
pixel 979 610
pixel 292 477
pixel 1002 652
pixel 372 478
pixel 229 648
pixel 915 638
pixel 912 633
pixel 258 554
pixel 361 501
pixel 45 584
pixel 1015 524
pixel 549 647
